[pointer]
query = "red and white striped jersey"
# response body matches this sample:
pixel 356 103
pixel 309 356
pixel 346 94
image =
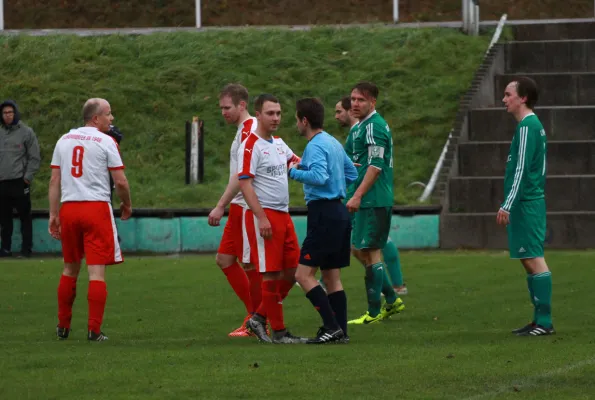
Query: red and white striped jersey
pixel 84 157
pixel 244 130
pixel 267 162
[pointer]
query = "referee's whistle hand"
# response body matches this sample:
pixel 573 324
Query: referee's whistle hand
pixel 266 231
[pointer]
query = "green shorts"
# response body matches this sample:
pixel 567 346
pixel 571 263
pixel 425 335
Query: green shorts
pixel 371 227
pixel 526 229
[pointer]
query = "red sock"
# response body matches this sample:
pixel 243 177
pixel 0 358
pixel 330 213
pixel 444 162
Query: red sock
pixel 96 297
pixel 255 279
pixel 237 278
pixel 284 288
pixel 272 303
pixel 66 296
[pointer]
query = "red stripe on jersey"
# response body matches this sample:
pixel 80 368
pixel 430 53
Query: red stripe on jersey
pixel 55 166
pixel 116 168
pixel 247 128
pixel 248 150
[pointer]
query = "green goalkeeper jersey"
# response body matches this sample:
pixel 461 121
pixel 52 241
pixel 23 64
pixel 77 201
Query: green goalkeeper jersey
pixel 371 145
pixel 526 165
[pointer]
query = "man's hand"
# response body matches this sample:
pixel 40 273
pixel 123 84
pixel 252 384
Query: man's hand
pixel 353 204
pixel 26 181
pixel 503 217
pixel 54 227
pixel 266 231
pixel 356 164
pixel 125 211
pixel 215 216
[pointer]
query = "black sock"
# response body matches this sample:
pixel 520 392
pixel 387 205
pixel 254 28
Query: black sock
pixel 338 302
pixel 318 298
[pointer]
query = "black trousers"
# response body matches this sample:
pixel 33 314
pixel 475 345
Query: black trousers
pixel 15 194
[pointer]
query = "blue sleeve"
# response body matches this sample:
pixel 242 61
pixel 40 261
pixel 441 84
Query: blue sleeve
pixel 350 170
pixel 317 173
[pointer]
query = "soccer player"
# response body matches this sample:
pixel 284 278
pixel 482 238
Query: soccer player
pixel 244 280
pixel 372 201
pixel 523 211
pixel 82 162
pixel 262 170
pixel 325 171
pixel 390 253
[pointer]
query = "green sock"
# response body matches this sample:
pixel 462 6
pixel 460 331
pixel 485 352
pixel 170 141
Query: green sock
pixel 531 295
pixel 374 281
pixel 542 293
pixel 393 262
pixel 387 288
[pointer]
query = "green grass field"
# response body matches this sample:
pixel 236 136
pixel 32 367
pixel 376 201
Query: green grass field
pixel 168 319
pixel 157 82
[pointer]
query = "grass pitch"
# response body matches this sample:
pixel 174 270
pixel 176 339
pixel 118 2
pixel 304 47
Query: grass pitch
pixel 168 319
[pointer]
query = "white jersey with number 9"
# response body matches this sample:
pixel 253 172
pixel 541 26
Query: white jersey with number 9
pixel 85 156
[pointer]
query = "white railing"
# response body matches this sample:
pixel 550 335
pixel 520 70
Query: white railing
pixel 429 188
pixel 471 17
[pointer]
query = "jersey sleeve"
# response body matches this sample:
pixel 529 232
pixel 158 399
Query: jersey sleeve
pixel 233 155
pixel 56 158
pixel 317 172
pixel 114 160
pixel 526 142
pixel 378 145
pixel 247 160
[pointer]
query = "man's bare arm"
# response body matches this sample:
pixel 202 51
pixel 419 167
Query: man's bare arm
pixel 122 187
pixel 54 192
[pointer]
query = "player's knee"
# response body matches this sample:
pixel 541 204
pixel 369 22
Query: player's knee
pixel 535 265
pixel 224 260
pixel 96 272
pixel 248 267
pixel 302 275
pixel 289 274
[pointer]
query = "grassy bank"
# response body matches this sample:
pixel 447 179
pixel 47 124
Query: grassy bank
pixel 157 82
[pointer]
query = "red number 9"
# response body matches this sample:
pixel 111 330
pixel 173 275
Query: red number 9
pixel 77 161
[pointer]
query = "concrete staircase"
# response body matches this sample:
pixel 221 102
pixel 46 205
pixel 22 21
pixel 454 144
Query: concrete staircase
pixel 561 59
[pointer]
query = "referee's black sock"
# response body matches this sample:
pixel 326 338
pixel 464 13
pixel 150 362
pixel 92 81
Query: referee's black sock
pixel 338 302
pixel 318 298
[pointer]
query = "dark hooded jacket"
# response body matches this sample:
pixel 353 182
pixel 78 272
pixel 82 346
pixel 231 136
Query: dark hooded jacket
pixel 19 149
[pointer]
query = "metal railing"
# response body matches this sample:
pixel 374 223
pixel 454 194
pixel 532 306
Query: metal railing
pixel 471 17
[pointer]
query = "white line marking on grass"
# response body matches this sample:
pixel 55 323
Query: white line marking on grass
pixel 532 381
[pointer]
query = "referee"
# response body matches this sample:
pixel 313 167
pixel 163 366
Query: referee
pixel 325 170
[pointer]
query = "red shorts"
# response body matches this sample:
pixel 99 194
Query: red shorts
pixel 282 250
pixel 235 240
pixel 88 230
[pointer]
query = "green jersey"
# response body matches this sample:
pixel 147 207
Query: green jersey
pixel 526 165
pixel 372 146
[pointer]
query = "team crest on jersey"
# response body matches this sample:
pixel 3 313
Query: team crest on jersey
pixel 280 150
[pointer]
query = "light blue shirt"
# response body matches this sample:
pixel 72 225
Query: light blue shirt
pixel 325 169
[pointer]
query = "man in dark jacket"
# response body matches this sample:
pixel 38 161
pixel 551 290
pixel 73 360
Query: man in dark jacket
pixel 19 162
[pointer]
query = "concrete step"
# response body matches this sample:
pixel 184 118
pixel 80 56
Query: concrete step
pixel 550 56
pixel 560 123
pixel 485 194
pixel 564 158
pixel 565 230
pixel 555 89
pixel 554 31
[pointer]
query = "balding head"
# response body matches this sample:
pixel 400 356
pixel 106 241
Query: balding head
pixel 97 113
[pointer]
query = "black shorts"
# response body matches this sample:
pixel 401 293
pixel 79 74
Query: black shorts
pixel 328 239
